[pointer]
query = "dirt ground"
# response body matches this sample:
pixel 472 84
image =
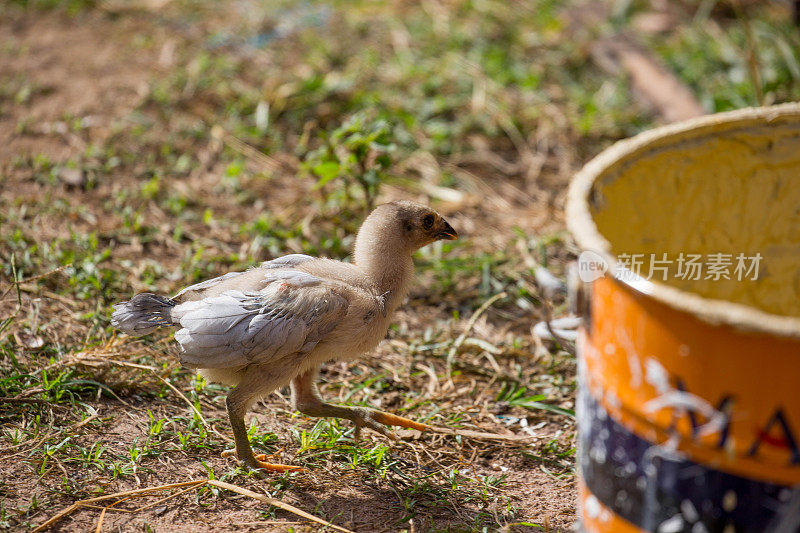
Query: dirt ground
pixel 81 81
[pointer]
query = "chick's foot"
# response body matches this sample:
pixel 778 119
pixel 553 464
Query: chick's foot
pixel 378 420
pixel 258 463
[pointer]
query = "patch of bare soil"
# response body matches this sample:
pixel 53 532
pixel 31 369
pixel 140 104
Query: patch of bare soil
pixel 91 65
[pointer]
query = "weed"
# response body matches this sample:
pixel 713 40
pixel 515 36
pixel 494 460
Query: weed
pixel 357 153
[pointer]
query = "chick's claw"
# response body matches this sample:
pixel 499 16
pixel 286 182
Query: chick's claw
pixel 394 420
pixel 366 420
pixel 378 420
pixel 275 467
pixel 259 464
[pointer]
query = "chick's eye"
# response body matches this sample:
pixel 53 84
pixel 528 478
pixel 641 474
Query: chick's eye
pixel 427 222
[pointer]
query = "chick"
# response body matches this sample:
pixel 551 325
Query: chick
pixel 277 323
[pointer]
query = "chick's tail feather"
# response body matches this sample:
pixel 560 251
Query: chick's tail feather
pixel 145 313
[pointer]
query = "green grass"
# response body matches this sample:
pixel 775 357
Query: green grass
pixel 714 58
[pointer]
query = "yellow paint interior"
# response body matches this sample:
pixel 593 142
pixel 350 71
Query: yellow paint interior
pixel 729 190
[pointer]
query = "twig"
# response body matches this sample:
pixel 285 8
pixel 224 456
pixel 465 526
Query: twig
pixel 107 507
pixel 38 401
pixel 162 500
pixel 263 160
pixel 50 294
pixel 138 492
pixel 191 485
pixel 99 527
pixel 185 399
pixel 33 278
pixel 480 435
pixel 461 338
pixel 274 503
pixel 102 360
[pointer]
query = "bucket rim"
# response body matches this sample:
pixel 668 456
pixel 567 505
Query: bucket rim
pixel 588 237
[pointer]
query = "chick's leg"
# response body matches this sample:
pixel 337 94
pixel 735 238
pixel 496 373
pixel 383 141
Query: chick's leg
pixel 307 400
pixel 238 402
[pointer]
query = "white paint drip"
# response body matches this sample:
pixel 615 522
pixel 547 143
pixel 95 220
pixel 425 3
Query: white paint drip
pixel 592 507
pixel 636 370
pixel 687 401
pixel 689 512
pixel 671 525
pixel 656 375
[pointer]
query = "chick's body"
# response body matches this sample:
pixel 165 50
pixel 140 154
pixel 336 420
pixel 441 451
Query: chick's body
pixel 277 323
pixel 358 328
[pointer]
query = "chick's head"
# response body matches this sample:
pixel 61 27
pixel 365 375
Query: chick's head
pixel 409 224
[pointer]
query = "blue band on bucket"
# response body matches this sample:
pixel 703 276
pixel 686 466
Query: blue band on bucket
pixel 660 490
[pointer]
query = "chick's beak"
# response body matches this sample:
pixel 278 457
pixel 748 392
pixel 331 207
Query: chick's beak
pixel 447 232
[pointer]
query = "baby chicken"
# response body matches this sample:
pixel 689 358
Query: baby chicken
pixel 277 323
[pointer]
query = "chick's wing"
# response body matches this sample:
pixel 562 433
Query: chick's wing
pixel 291 314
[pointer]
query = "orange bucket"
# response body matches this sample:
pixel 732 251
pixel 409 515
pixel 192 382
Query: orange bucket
pixel 689 358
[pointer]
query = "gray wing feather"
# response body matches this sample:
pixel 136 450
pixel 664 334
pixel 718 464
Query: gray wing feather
pixel 293 277
pixel 206 284
pixel 290 315
pixel 286 261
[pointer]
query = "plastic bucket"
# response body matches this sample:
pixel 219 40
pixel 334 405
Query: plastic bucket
pixel 689 359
